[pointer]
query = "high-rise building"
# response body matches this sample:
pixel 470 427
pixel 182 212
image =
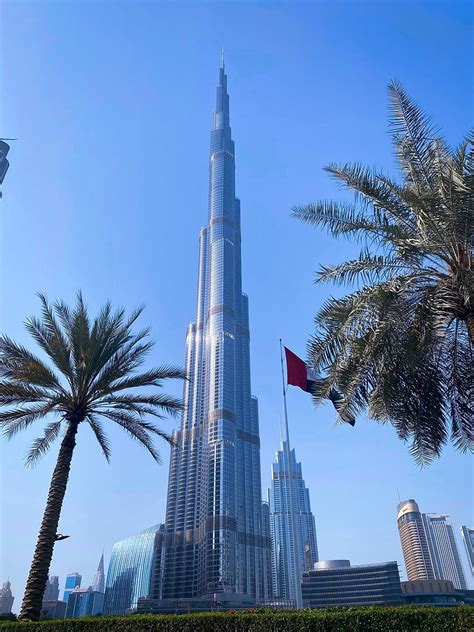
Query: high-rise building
pixel 129 575
pixel 286 473
pixel 337 583
pixel 468 537
pixel 84 602
pixel 429 546
pixel 73 580
pixel 51 592
pixel 6 598
pixel 443 549
pixel 414 543
pixel 98 583
pixel 216 540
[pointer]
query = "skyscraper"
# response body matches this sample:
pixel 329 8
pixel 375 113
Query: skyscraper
pixel 216 539
pixel 468 537
pixel 443 549
pixel 98 583
pixel 51 592
pixel 428 544
pixel 283 475
pixel 6 598
pixel 129 575
pixel 73 580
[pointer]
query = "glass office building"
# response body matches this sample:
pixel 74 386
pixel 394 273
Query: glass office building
pixel 73 580
pixel 84 602
pixel 443 549
pixel 284 575
pixel 337 583
pixel 129 575
pixel 217 539
pixel 468 537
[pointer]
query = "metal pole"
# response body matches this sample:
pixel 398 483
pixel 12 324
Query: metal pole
pixel 293 526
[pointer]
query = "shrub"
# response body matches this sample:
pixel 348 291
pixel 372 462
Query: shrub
pixel 371 619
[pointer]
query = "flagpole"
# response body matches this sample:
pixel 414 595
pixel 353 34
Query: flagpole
pixel 294 530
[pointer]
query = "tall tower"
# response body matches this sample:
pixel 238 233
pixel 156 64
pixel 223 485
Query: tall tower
pixel 216 535
pixel 98 583
pixel 468 537
pixel 428 544
pixel 285 474
pixel 443 549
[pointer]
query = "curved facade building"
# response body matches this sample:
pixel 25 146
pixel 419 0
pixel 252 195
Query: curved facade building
pixel 216 539
pixel 414 543
pixel 337 583
pixel 130 571
pixel 429 546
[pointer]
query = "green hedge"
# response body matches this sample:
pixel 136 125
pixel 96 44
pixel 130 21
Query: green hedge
pixel 396 619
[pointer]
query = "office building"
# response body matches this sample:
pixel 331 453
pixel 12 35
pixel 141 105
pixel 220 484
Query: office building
pixel 468 537
pixel 84 602
pixel 443 550
pixel 428 545
pixel 129 575
pixel 337 583
pixel 54 609
pixel 284 572
pixel 51 592
pixel 6 598
pixel 73 580
pixel 216 541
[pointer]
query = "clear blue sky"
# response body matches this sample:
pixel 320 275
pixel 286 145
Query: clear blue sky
pixel 111 103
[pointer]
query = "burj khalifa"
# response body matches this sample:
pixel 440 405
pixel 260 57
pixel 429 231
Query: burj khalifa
pixel 217 537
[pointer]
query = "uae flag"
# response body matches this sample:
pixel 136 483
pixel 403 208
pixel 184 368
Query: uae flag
pixel 299 374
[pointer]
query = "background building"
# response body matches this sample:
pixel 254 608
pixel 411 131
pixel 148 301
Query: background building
pixel 84 602
pixel 6 598
pixel 53 609
pixel 284 474
pixel 337 583
pixel 98 583
pixel 130 571
pixel 428 545
pixel 51 592
pixel 468 537
pixel 438 592
pixel 414 543
pixel 215 531
pixel 73 580
pixel 443 549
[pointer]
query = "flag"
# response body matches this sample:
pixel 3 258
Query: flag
pixel 299 374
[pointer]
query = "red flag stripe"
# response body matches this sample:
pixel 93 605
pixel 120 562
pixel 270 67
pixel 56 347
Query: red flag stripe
pixel 297 373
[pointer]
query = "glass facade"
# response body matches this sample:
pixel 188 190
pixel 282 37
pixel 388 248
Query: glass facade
pixel 216 536
pixel 443 549
pixel 129 575
pixel 337 583
pixel 73 580
pixel 84 602
pixel 468 537
pixel 284 574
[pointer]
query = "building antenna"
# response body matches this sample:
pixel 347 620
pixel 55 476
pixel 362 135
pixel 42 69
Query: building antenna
pixel 398 493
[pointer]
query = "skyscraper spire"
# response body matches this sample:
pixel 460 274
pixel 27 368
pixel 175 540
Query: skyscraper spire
pixel 222 57
pixel 98 583
pixel 216 539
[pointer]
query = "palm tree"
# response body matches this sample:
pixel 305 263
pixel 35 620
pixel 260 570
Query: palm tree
pixel 93 380
pixel 401 344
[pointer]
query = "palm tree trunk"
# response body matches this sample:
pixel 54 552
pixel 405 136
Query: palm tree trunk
pixel 33 597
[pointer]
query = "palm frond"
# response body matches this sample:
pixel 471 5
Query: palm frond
pixel 100 435
pixel 41 445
